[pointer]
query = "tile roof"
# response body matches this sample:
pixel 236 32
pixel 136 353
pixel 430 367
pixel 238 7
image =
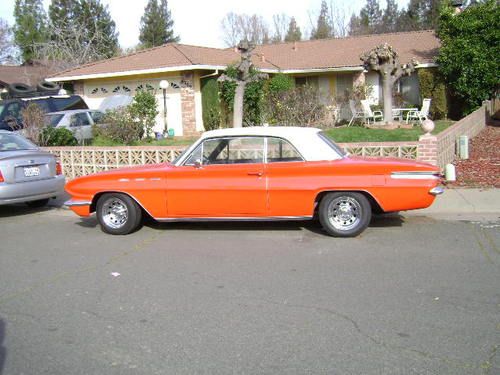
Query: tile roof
pixel 304 55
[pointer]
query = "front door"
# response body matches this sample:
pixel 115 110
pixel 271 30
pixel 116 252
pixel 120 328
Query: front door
pixel 223 177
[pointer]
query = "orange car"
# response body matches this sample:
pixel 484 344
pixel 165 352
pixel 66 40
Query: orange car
pixel 258 173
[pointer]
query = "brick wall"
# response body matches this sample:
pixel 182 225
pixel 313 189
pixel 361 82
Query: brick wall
pixel 441 149
pixel 188 105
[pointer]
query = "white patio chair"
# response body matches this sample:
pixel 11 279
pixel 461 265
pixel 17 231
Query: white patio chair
pixel 355 112
pixel 421 115
pixel 368 114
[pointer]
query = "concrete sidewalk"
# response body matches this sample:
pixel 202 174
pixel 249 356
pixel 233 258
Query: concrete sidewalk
pixel 464 203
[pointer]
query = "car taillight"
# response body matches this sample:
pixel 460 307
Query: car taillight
pixel 58 168
pixel 1 177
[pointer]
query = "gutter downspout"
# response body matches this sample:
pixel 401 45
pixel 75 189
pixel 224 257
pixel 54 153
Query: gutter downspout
pixel 211 74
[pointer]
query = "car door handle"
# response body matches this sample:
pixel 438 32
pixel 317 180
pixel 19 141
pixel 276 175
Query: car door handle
pixel 256 173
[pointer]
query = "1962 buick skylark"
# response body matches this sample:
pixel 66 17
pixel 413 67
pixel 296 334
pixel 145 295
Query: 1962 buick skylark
pixel 258 173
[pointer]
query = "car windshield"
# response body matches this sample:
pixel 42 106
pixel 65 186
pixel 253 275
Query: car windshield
pixel 332 144
pixel 14 142
pixel 53 120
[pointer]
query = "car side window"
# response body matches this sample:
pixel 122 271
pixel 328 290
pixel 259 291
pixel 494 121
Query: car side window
pixel 79 119
pixel 238 150
pixel 279 150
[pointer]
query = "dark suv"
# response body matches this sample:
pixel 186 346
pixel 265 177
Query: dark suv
pixel 10 109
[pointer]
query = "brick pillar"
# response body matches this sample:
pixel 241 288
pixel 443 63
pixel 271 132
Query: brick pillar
pixel 188 105
pixel 427 149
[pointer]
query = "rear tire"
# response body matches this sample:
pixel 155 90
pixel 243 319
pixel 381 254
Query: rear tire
pixel 118 214
pixel 38 204
pixel 344 214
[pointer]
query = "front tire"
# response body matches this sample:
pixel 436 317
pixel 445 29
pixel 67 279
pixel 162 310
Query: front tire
pixel 344 214
pixel 118 214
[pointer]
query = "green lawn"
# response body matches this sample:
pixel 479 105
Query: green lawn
pixel 361 134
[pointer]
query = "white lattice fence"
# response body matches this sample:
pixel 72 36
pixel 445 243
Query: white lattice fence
pixel 79 161
pixel 393 149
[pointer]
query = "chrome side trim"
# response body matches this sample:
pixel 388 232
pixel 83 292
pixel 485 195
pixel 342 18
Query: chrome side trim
pixel 438 190
pixel 415 175
pixel 258 218
pixel 71 203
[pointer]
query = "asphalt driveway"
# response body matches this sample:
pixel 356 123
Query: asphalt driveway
pixel 412 295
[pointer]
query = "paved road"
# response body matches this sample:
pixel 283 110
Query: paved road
pixel 412 295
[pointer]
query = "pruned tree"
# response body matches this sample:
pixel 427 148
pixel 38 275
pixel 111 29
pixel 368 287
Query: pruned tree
pixel 385 61
pixel 236 27
pixel 244 75
pixel 293 33
pixel 7 50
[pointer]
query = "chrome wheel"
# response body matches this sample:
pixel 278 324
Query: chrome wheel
pixel 114 213
pixel 344 213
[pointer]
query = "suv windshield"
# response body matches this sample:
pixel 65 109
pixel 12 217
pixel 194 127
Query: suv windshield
pixel 13 142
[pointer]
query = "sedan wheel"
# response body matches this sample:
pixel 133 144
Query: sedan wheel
pixel 118 213
pixel 344 214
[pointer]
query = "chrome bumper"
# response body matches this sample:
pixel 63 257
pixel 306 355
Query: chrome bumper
pixel 73 203
pixel 438 190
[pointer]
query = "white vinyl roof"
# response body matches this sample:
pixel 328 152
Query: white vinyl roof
pixel 305 140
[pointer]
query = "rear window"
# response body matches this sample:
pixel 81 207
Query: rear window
pixel 332 144
pixel 53 120
pixel 14 142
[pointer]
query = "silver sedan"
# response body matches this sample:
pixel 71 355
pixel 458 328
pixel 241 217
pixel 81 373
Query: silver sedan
pixel 27 174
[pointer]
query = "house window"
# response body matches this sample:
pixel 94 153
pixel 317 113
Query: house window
pixel 344 84
pixel 308 80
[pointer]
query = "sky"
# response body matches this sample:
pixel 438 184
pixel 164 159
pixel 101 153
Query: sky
pixel 198 21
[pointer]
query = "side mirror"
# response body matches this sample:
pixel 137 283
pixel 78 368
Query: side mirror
pixel 197 163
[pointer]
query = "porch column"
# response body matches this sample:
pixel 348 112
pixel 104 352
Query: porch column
pixel 188 105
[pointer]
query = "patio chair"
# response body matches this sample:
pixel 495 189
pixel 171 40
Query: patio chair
pixel 421 115
pixel 368 114
pixel 355 112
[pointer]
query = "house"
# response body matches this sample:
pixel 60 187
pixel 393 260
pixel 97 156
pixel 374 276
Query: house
pixel 333 65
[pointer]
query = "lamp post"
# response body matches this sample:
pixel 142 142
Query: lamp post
pixel 164 86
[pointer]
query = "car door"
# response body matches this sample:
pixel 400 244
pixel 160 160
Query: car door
pixel 289 180
pixel 223 177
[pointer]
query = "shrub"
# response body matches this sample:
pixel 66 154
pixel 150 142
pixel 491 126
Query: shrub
pixel 120 125
pixel 33 121
pixel 144 110
pixel 300 106
pixel 50 136
pixel 280 83
pixel 432 86
pixel 210 103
